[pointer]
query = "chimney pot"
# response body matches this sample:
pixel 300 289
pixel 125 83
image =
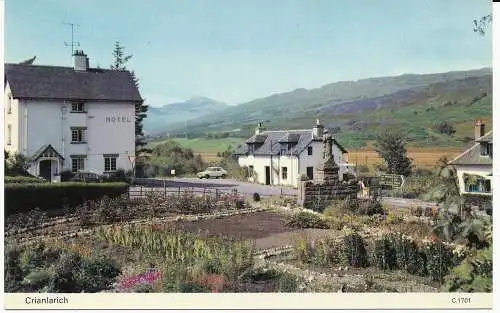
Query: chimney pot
pixel 479 129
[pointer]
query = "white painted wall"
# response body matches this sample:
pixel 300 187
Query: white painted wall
pixel 317 157
pixel 296 166
pixel 110 130
pixel 482 170
pixel 11 119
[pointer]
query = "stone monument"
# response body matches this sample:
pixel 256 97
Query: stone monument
pixel 327 171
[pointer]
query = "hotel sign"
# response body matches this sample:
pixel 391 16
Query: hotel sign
pixel 119 119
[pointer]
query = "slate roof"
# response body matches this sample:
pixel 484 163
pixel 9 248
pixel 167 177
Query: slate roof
pixel 273 140
pixel 488 137
pixel 64 83
pixel 472 156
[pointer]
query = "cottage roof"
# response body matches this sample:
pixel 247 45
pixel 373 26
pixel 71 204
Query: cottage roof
pixel 274 139
pixel 65 83
pixel 472 156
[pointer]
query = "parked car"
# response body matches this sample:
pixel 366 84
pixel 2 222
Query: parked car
pixel 212 172
pixel 87 177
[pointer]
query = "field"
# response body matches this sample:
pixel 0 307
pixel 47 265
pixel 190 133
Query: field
pixel 422 157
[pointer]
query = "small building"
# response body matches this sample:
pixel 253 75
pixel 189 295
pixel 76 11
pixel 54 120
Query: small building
pixel 70 118
pixel 475 165
pixel 281 157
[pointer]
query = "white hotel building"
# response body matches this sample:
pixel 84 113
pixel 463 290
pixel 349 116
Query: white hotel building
pixel 70 118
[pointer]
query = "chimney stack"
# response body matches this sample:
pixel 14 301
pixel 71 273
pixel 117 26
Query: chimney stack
pixel 81 61
pixel 318 130
pixel 479 129
pixel 259 129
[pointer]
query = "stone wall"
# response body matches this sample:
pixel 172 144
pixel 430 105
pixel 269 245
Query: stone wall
pixel 319 195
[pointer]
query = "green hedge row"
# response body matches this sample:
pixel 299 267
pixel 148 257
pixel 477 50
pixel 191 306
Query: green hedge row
pixel 24 197
pixel 22 180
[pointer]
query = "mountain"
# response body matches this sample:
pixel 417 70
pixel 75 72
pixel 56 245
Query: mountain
pixel 161 119
pixel 358 109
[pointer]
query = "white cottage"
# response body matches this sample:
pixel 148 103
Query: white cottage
pixel 280 157
pixel 70 118
pixel 475 165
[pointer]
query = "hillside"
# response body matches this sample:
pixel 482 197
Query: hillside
pixel 166 117
pixel 357 110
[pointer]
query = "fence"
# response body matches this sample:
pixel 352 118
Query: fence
pixel 218 193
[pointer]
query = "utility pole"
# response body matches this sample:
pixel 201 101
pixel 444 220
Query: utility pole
pixel 73 43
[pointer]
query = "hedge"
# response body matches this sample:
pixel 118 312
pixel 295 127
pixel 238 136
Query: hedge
pixel 24 197
pixel 23 180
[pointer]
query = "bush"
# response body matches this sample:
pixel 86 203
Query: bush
pixel 306 220
pixel 13 274
pixel 67 175
pixel 385 255
pixel 23 180
pixel 120 176
pixel 96 273
pixel 474 274
pixel 439 260
pixel 354 251
pixel 370 207
pixel 287 282
pixel 408 257
pixel 24 197
pixel 63 279
pixel 256 197
pixel 303 250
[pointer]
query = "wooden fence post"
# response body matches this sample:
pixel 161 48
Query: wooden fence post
pixel 216 194
pixel 179 192
pixel 164 188
pixel 141 192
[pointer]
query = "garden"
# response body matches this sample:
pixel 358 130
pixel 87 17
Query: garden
pixel 192 243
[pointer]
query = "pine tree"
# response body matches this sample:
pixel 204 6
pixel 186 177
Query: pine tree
pixel 120 60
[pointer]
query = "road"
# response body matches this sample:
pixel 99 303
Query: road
pixel 224 185
pixel 227 185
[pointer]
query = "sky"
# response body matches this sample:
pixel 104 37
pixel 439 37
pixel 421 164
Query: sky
pixel 235 51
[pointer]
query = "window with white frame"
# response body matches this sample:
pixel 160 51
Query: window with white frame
pixel 78 134
pixel 77 163
pixel 78 107
pixel 110 162
pixel 9 134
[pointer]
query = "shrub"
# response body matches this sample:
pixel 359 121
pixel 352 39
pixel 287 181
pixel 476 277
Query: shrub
pixel 96 273
pixel 24 197
pixel 63 279
pixel 66 175
pixel 303 250
pixel 408 257
pixel 23 180
pixel 306 220
pixel 354 251
pixel 287 282
pixel 13 274
pixel 363 168
pixel 385 256
pixel 370 207
pixel 439 260
pixel 256 197
pixel 474 274
pixel 326 252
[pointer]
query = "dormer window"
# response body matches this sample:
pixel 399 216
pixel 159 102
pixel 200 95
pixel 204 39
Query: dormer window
pixel 486 149
pixel 78 107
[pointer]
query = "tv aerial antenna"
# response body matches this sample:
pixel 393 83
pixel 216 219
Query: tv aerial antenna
pixel 73 43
